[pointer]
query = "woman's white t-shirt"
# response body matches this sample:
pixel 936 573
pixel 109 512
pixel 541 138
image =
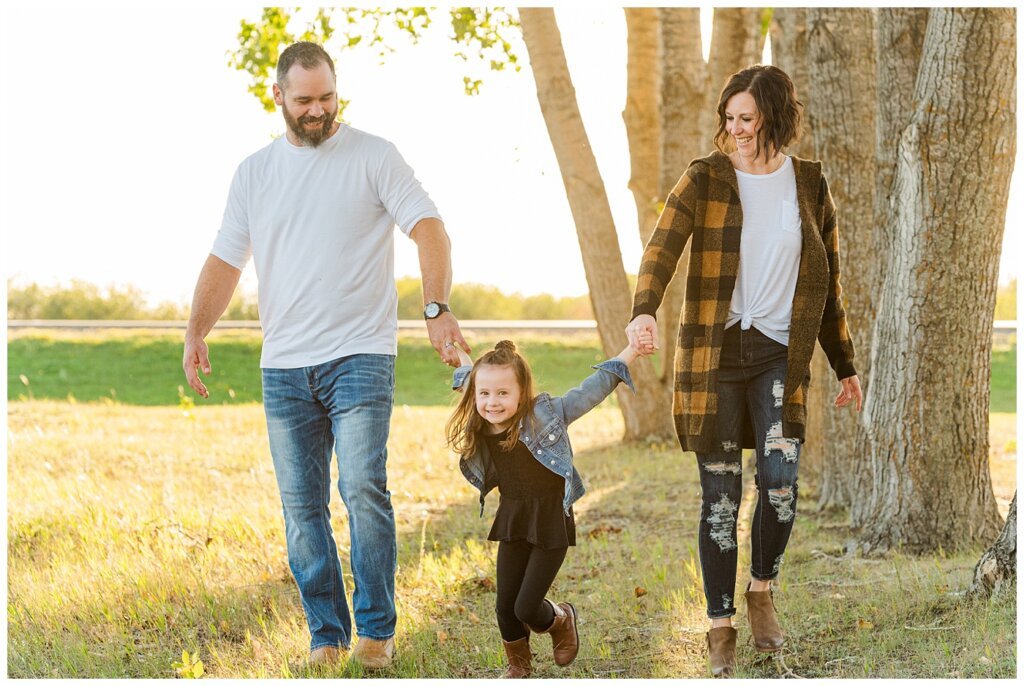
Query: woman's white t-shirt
pixel 770 247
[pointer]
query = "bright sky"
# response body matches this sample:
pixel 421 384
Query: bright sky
pixel 121 135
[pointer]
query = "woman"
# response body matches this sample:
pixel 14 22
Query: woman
pixel 752 312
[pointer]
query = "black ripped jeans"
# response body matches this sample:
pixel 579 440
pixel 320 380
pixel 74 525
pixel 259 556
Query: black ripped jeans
pixel 751 375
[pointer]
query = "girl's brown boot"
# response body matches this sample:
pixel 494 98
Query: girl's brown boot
pixel 519 658
pixel 565 638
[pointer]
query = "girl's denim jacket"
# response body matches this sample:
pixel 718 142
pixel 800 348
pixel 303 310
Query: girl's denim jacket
pixel 543 431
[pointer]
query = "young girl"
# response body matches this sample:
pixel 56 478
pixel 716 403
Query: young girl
pixel 506 436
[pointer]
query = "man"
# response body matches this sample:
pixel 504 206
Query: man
pixel 316 211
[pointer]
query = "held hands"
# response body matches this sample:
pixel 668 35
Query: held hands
pixel 646 342
pixel 446 337
pixel 851 390
pixel 643 335
pixel 197 354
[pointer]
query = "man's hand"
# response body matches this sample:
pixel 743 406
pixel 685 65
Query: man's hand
pixel 197 354
pixel 445 335
pixel 643 334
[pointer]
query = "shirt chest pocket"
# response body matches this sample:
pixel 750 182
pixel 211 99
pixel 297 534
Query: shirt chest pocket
pixel 552 443
pixel 789 217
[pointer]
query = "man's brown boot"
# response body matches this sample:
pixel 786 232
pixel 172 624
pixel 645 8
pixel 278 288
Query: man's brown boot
pixel 565 638
pixel 374 654
pixel 324 656
pixel 722 650
pixel 519 657
pixel 764 625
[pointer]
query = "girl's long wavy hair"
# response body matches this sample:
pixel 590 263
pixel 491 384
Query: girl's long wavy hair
pixel 464 426
pixel 777 105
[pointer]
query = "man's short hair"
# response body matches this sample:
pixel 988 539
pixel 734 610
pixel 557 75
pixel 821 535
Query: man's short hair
pixel 309 55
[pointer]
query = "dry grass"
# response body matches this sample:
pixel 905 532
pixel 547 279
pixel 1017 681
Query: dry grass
pixel 135 533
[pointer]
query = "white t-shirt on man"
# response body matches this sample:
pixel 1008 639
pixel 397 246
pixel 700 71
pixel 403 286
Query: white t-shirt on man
pixel 770 248
pixel 319 224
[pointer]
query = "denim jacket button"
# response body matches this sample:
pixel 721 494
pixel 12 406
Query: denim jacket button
pixel 551 437
pixel 526 439
pixel 552 461
pixel 540 452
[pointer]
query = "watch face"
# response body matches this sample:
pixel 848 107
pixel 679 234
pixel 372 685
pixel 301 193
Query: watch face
pixel 432 310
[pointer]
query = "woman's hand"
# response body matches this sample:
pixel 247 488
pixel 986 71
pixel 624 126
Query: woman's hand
pixel 643 334
pixel 851 390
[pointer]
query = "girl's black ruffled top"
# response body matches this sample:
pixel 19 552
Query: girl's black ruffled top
pixel 530 508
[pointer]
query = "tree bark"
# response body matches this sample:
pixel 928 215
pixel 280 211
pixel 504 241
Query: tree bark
pixel 644 414
pixel 927 407
pixel 736 43
pixel 996 571
pixel 899 37
pixel 841 58
pixel 683 83
pixel 789 53
pixel 643 127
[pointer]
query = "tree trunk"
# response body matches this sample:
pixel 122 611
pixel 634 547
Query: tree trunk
pixel 789 53
pixel 643 128
pixel 645 414
pixel 927 407
pixel 841 58
pixel 996 571
pixel 899 37
pixel 683 84
pixel 736 43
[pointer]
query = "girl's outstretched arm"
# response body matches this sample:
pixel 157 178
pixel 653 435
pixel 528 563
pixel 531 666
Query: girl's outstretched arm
pixel 460 374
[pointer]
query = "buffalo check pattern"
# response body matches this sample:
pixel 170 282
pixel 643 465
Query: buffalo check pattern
pixel 704 208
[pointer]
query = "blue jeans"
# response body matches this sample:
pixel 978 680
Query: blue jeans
pixel 751 376
pixel 341 406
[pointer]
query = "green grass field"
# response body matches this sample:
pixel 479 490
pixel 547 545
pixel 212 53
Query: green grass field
pixel 136 532
pixel 145 369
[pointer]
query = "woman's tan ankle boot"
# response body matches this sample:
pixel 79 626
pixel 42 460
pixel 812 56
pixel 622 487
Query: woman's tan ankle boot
pixel 519 658
pixel 722 650
pixel 764 624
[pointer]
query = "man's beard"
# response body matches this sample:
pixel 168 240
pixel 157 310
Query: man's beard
pixel 311 137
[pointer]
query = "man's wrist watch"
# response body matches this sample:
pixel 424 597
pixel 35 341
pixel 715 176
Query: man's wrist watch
pixel 433 310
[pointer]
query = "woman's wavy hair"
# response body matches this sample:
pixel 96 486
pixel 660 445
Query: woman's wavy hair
pixel 775 97
pixel 464 426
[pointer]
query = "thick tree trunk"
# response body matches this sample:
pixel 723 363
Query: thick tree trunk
pixel 927 407
pixel 645 414
pixel 841 58
pixel 736 43
pixel 996 571
pixel 643 126
pixel 789 53
pixel 899 37
pixel 683 84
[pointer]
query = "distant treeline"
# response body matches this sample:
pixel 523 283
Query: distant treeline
pixel 83 300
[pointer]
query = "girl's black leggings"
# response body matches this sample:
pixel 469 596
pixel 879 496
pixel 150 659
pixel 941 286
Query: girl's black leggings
pixel 525 573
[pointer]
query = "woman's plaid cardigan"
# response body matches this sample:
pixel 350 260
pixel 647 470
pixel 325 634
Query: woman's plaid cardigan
pixel 705 206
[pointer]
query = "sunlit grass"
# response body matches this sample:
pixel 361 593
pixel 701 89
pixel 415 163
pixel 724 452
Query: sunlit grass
pixel 138 532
